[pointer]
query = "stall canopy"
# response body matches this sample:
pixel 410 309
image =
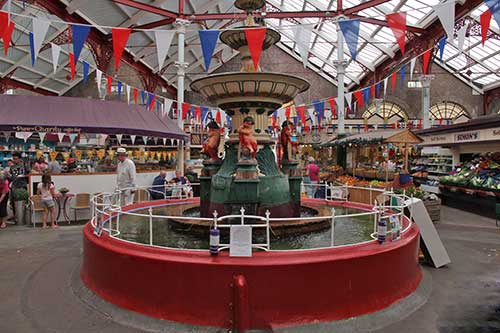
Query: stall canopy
pixel 81 115
pixel 372 137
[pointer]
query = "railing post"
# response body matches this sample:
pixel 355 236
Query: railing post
pixel 118 221
pixel 332 242
pixel 268 226
pixel 242 211
pixel 371 193
pixel 375 206
pixel 150 225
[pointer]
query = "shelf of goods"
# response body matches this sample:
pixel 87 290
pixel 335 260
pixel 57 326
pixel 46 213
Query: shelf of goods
pixel 475 186
pixel 371 173
pixel 331 173
pixel 429 167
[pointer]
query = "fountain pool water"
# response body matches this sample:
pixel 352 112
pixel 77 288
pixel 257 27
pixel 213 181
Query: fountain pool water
pixel 168 233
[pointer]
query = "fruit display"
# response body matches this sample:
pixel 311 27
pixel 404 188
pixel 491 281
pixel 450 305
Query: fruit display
pixel 353 181
pixel 482 173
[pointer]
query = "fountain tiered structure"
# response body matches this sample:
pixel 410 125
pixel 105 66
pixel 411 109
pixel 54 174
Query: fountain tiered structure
pixel 257 184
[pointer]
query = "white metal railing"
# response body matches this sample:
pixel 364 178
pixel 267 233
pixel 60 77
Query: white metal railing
pixel 390 208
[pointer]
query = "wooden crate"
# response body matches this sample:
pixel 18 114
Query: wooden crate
pixel 434 209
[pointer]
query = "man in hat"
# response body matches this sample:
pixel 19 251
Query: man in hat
pixel 126 176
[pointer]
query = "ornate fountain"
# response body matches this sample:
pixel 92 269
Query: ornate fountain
pixel 249 175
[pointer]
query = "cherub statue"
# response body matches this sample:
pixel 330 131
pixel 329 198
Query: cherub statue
pixel 211 144
pixel 248 144
pixel 286 140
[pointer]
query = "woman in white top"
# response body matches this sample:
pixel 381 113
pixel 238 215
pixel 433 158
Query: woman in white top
pixel 47 190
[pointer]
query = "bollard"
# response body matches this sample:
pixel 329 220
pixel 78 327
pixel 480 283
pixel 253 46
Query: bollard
pixel 214 237
pixel 150 226
pixel 381 230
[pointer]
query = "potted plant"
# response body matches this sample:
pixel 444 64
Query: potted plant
pixel 20 197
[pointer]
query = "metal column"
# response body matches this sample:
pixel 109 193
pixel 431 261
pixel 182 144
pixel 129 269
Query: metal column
pixel 426 99
pixel 181 71
pixel 340 63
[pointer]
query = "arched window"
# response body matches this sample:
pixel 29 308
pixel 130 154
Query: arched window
pixel 447 110
pixel 387 110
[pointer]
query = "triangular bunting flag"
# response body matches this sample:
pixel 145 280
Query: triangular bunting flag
pixel 413 62
pixel 6 36
pixel 164 141
pixel 72 65
pixel 167 105
pixel 185 109
pixel 372 91
pixel 135 92
pixel 151 100
pixel 132 138
pixel 461 37
pixel 60 136
pixel 301 111
pixel 302 34
pixel 385 85
pixel 331 101
pixel 79 34
pixel 40 28
pixel 56 51
pixel 427 57
pixel 379 88
pixel 446 13
pixel 98 79
pixel 4 22
pixel 127 91
pixel 42 136
pixel 350 31
pixel 393 81
pixel 319 109
pixel 403 74
pixel 397 23
pixel 120 38
pixel 366 96
pixel 494 7
pixel 145 139
pixel 163 39
pixel 485 20
pixel 442 43
pixel 119 88
pixel 119 138
pixel 359 98
pixel 86 68
pixel 208 39
pixel 72 137
pixel 110 83
pixel 348 97
pixel 143 96
pixel 255 40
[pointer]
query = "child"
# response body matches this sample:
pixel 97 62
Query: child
pixel 47 189
pixel 4 197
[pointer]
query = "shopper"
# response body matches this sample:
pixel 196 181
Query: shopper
pixel 54 167
pixel 48 192
pixel 40 165
pixel 4 197
pixel 158 189
pixel 181 183
pixel 126 176
pixel 18 178
pixel 312 171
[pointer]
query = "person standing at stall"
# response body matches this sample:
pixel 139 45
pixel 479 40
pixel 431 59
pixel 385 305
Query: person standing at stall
pixel 126 176
pixel 312 171
pixel 18 178
pixel 48 192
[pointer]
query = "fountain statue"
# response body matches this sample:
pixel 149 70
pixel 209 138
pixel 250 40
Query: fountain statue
pixel 248 175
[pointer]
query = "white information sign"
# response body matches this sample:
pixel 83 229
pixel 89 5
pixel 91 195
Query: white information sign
pixel 240 241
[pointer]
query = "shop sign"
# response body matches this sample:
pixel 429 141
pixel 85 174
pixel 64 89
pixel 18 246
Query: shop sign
pixel 438 138
pixel 45 129
pixel 469 136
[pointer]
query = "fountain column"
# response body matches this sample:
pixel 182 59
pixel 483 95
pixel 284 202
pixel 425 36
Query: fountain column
pixel 181 71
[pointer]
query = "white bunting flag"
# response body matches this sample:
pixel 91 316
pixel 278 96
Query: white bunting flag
pixel 132 138
pixel 348 97
pixel 412 67
pixel 98 80
pixel 127 90
pixel 461 38
pixel 167 105
pixel 23 135
pixel 56 51
pixel 163 40
pixel 60 136
pixel 302 35
pixel 311 115
pixel 164 141
pixel 145 139
pixel 42 136
pixel 40 28
pixel 446 14
pixel 7 136
pixel 375 127
pixel 385 85
pixel 119 138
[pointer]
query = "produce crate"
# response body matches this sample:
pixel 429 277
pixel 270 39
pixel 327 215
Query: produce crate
pixel 434 209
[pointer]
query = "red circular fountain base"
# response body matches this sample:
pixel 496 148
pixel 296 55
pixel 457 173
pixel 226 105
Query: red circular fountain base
pixel 276 288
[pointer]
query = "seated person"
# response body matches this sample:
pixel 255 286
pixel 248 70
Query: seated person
pixel 181 183
pixel 159 189
pixel 40 165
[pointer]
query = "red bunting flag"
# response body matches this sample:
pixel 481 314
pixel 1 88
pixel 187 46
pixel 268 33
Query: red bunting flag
pixel 4 22
pixel 72 65
pixel 359 97
pixel 397 23
pixel 185 109
pixel 331 101
pixel 136 94
pixel 420 123
pixel 307 128
pixel 393 81
pixel 427 57
pixel 6 36
pixel 255 41
pixel 372 91
pixel 485 20
pixel 152 103
pixel 287 112
pixel 120 37
pixel 197 111
pixel 110 81
pixel 217 117
pixel 301 111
